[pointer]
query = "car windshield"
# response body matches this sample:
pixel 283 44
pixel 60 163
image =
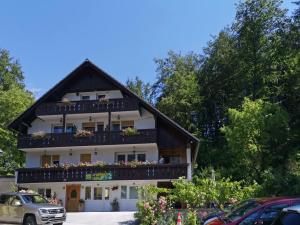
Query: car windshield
pixel 242 209
pixel 34 199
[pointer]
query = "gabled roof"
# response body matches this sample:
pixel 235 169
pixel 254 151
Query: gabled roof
pixel 29 114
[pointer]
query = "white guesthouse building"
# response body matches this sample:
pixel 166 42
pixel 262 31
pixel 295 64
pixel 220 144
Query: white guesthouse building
pixel 90 138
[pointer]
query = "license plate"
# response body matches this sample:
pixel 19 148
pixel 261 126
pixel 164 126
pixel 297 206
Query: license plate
pixel 59 215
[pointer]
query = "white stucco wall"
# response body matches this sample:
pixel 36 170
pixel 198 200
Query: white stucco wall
pixel 146 121
pixel 105 154
pixel 96 205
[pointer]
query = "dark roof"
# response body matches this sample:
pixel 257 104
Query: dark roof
pixel 29 113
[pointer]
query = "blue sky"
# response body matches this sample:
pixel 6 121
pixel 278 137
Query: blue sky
pixel 51 38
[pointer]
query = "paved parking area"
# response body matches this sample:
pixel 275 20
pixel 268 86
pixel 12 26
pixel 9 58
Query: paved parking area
pixel 100 218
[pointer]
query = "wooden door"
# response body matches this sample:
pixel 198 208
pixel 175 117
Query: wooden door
pixel 46 161
pixel 72 197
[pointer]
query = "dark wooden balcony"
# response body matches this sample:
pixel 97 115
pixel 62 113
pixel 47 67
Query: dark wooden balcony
pixel 105 173
pixel 88 106
pixel 98 138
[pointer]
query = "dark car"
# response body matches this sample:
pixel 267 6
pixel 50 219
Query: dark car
pixel 289 216
pixel 256 212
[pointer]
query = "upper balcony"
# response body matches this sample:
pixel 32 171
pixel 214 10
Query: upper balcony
pixel 104 173
pixel 96 138
pixel 87 106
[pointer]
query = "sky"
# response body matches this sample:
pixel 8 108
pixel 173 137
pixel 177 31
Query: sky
pixel 122 37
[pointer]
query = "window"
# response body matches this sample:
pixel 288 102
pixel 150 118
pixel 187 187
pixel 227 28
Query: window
pixel 126 124
pixel 50 160
pixel 48 193
pixel 289 218
pixel 45 192
pixel 101 97
pixel 115 126
pixel 4 199
pixel 85 97
pixel 271 212
pixel 130 157
pixel 57 129
pixel 249 220
pixel 70 128
pixel 106 193
pixel 98 193
pixel 123 192
pixel 90 126
pixel 55 160
pixel 133 192
pixel 141 157
pixel 15 201
pixel 88 193
pixel 85 158
pixel 41 191
pixel 121 158
pixel 100 126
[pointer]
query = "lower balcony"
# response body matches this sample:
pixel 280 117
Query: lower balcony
pixel 98 138
pixel 101 173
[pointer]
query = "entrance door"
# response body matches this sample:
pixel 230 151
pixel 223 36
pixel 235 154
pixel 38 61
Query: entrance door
pixel 72 197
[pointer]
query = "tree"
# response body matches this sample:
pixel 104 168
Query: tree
pixel 14 99
pixel 176 89
pixel 140 88
pixel 257 136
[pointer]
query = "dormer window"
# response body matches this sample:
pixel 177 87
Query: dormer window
pixel 85 97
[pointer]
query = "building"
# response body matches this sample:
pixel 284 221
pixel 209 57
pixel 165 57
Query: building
pixel 90 138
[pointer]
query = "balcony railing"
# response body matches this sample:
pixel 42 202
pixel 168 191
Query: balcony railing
pixel 87 106
pixel 98 138
pixel 105 173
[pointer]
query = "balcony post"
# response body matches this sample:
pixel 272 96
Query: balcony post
pixel 64 123
pixel 189 162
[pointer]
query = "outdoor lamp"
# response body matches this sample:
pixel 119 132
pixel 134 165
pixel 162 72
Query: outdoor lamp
pixel 1 152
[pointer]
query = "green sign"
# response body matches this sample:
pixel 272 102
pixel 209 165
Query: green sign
pixel 99 176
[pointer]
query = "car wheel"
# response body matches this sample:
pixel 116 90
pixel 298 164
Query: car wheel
pixel 58 224
pixel 30 220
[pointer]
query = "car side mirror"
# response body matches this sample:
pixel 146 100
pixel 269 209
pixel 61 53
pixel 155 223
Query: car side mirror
pixel 17 203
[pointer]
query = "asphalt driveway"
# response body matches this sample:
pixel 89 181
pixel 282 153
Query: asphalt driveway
pixel 100 218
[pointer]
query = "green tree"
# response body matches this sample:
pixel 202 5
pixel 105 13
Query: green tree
pixel 257 137
pixel 176 89
pixel 140 88
pixel 14 99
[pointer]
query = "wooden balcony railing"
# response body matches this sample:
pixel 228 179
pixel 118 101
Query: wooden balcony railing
pixel 97 138
pixel 105 173
pixel 87 106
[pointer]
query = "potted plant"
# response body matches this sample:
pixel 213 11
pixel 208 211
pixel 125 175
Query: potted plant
pixel 81 205
pixel 115 205
pixel 129 131
pixel 83 133
pixel 38 135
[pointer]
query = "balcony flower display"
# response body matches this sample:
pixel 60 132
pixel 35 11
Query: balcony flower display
pixel 83 133
pixel 65 101
pixel 38 135
pixel 132 164
pixel 129 131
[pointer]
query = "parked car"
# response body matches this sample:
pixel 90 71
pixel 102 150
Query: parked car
pixel 219 213
pixel 29 209
pixel 255 212
pixel 288 216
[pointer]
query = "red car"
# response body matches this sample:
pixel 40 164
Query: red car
pixel 256 211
